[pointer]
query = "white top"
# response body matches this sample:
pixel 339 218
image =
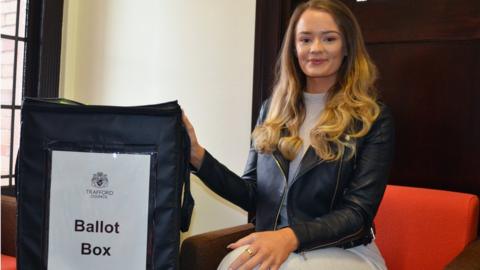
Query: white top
pixel 314 105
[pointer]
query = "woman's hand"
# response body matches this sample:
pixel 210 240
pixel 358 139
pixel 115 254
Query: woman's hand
pixel 197 152
pixel 268 250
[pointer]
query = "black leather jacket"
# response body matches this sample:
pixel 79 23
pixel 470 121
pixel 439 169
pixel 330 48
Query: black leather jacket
pixel 328 204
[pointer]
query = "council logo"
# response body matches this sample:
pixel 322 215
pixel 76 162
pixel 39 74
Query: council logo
pixel 99 180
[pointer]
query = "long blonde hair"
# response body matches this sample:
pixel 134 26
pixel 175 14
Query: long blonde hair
pixel 351 105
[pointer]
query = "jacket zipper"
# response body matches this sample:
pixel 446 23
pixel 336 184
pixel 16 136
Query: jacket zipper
pixel 283 194
pixel 338 181
pixel 353 235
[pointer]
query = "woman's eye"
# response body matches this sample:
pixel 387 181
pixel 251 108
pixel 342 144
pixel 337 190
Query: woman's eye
pixel 330 39
pixel 305 40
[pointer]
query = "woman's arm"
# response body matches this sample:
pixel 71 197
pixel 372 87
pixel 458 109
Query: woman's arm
pixel 239 190
pixel 268 248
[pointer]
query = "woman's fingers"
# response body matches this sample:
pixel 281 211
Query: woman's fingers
pixel 266 265
pixel 196 151
pixel 247 260
pixel 189 127
pixel 268 250
pixel 257 259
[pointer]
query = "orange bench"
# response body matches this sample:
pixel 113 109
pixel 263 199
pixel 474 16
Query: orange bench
pixel 420 228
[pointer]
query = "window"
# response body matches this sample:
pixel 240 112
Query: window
pixel 31 32
pixel 13 18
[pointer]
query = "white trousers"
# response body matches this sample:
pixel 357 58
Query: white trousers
pixel 358 258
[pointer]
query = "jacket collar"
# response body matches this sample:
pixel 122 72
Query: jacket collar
pixel 309 161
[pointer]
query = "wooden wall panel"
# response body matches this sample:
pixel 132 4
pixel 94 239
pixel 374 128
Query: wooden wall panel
pixel 433 90
pixel 428 55
pixel 408 20
pixel 270 24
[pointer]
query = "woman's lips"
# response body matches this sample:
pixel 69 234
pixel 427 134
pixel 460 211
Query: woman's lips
pixel 317 61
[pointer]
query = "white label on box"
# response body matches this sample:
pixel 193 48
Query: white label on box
pixel 98 217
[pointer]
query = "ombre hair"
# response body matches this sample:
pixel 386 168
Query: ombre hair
pixel 351 105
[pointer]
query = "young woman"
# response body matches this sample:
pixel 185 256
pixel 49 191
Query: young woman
pixel 320 154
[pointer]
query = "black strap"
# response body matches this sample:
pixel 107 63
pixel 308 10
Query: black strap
pixel 188 201
pixel 187 206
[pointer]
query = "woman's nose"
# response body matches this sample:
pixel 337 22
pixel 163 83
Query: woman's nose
pixel 317 45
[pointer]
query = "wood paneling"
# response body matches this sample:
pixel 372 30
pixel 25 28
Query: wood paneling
pixel 433 89
pixel 428 55
pixel 416 20
pixel 270 24
pixel 44 42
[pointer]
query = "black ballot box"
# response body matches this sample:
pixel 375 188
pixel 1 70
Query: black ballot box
pixel 101 187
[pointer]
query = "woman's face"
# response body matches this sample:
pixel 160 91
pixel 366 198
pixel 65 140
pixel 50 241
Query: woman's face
pixel 319 45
